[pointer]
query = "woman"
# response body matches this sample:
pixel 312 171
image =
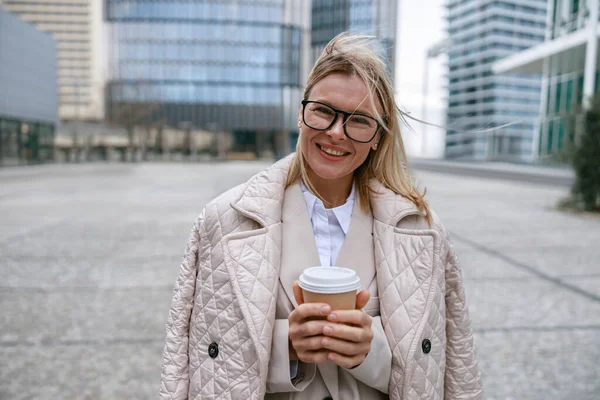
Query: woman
pixel 238 328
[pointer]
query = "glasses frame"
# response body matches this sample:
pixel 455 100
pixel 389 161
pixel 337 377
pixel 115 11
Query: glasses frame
pixel 345 116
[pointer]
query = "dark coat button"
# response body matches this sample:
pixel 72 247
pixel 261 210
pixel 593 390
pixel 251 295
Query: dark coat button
pixel 213 350
pixel 328 398
pixel 426 346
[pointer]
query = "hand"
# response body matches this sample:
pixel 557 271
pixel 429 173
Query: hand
pixel 306 327
pixel 349 334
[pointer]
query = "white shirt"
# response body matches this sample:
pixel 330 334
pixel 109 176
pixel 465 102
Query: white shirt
pixel 330 226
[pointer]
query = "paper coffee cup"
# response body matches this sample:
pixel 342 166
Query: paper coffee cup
pixel 335 286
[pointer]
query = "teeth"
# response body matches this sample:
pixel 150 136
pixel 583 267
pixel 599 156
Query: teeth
pixel 332 152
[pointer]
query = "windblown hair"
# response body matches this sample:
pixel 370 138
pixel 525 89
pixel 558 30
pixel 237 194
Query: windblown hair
pixel 352 54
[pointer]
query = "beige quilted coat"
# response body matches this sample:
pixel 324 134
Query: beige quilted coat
pixel 226 294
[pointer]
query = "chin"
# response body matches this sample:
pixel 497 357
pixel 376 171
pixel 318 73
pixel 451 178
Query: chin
pixel 329 172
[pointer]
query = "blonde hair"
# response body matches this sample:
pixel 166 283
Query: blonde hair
pixel 352 54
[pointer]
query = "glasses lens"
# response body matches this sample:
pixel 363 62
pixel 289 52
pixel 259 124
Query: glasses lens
pixel 361 128
pixel 318 116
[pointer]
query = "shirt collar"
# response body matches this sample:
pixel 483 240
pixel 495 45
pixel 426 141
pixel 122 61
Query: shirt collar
pixel 342 213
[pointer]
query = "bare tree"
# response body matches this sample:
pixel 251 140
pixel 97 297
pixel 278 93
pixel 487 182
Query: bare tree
pixel 157 146
pixel 134 110
pixel 159 142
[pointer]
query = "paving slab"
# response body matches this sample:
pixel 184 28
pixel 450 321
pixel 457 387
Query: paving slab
pixel 540 364
pixel 122 370
pixel 528 302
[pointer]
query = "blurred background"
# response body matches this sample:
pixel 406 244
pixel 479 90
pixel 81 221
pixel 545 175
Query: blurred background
pixel 120 119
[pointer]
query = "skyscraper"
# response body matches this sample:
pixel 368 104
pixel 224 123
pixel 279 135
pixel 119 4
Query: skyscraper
pixel 371 17
pixel 232 65
pixel 481 32
pixel 76 27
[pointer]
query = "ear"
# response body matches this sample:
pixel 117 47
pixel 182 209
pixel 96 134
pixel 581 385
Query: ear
pixel 376 141
pixel 299 119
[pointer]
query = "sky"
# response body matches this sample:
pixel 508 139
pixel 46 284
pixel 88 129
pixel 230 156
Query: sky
pixel 421 24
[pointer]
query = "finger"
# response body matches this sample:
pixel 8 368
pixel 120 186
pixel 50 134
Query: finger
pixel 344 347
pixel 313 357
pixel 362 298
pixel 350 333
pixel 308 310
pixel 298 293
pixel 311 343
pixel 307 329
pixel 355 317
pixel 346 362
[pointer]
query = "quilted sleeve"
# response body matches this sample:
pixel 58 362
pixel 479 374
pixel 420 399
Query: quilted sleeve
pixel 463 378
pixel 175 377
pixel 376 369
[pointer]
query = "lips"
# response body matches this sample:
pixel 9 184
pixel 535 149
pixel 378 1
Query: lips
pixel 332 151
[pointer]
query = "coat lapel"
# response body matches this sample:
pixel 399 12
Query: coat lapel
pixel 357 251
pixel 298 247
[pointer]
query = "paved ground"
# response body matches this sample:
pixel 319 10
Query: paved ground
pixel 537 174
pixel 89 255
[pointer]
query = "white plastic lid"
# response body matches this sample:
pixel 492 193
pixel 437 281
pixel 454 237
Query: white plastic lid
pixel 329 280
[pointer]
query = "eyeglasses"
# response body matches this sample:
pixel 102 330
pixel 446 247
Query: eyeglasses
pixel 321 117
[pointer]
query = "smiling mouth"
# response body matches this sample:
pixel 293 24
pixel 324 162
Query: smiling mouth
pixel 332 152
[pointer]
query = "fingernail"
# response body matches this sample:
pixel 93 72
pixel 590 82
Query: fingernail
pixel 328 329
pixel 325 310
pixel 332 316
pixel 331 356
pixel 326 342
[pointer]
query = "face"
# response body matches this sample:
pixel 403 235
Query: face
pixel 345 93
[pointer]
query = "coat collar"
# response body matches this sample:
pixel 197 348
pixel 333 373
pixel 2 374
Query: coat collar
pixel 262 196
pixel 389 207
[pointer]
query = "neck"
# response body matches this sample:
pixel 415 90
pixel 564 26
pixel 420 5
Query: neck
pixel 333 191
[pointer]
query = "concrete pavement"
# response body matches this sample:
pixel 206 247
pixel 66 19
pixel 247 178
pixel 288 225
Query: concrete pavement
pixel 536 174
pixel 89 255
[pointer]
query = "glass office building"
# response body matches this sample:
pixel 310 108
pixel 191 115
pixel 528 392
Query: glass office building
pixel 568 62
pixel 28 92
pixel 371 17
pixel 480 33
pixel 234 65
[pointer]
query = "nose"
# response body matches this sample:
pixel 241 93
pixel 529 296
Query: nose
pixel 337 129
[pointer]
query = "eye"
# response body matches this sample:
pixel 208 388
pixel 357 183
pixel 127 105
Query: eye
pixel 360 120
pixel 321 109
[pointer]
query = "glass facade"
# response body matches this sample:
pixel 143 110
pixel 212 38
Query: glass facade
pixel 25 142
pixel 231 64
pixel 563 118
pixel 481 34
pixel 370 17
pixel 29 103
pixel 568 16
